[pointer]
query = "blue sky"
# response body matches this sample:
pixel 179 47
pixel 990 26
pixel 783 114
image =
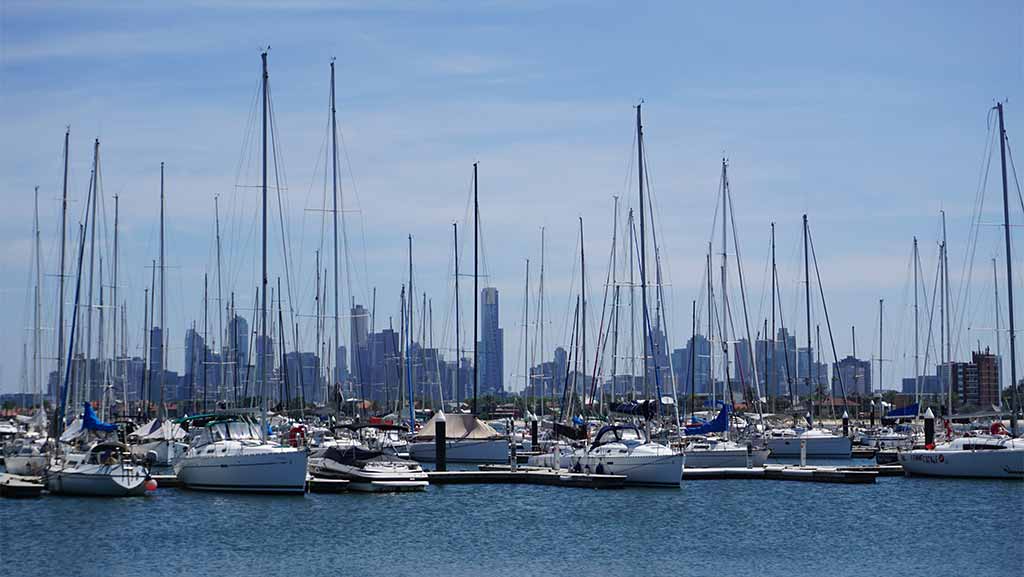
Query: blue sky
pixel 870 117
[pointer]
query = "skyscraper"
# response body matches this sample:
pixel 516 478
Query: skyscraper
pixel 359 343
pixel 492 356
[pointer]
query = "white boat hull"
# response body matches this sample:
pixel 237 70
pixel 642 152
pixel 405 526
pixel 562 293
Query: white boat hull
pixel 463 451
pixel 372 479
pixel 280 470
pixel 98 481
pixel 645 470
pixel 817 447
pixel 725 459
pixel 26 465
pixel 989 464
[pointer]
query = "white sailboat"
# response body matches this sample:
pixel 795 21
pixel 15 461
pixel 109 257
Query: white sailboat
pixel 228 453
pixel 468 440
pixel 712 452
pixel 819 444
pixel 161 437
pixel 625 450
pixel 107 469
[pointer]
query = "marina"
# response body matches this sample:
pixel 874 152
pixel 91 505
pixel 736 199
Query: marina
pixel 511 289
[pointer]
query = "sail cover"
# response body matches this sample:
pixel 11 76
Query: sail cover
pixel 908 411
pixel 646 408
pixel 159 429
pixel 92 423
pixel 719 425
pixel 458 426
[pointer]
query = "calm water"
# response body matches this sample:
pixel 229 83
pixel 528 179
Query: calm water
pixel 709 528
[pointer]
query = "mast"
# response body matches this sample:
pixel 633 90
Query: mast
pixel 615 296
pixel 37 369
pixel 632 311
pixel 881 302
pixel 1014 401
pixel 476 286
pixel 724 288
pixel 771 340
pixel 458 326
pixel 540 324
pixel 807 291
pixel 263 281
pixel 86 391
pixel 526 330
pixel 163 299
pixel 63 251
pixel 334 214
pixel 917 366
pixel 220 302
pixel 113 298
pixel 206 334
pixel 583 298
pixel 948 324
pixel 643 245
pixel 408 352
pixel 693 359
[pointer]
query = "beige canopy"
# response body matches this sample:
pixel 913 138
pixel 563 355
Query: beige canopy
pixel 459 426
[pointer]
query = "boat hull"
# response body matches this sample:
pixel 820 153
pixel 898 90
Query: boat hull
pixel 371 479
pixel 26 465
pixel 988 464
pixel 817 447
pixel 278 471
pixel 98 481
pixel 462 451
pixel 725 459
pixel 641 470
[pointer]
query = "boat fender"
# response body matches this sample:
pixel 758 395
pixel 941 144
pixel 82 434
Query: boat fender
pixel 600 469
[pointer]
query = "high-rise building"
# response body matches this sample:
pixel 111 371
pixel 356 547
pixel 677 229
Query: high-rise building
pixel 492 355
pixel 359 343
pixel 855 375
pixel 194 347
pixel 977 383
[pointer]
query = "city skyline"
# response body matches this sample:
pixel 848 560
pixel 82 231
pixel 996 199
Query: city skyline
pixel 553 142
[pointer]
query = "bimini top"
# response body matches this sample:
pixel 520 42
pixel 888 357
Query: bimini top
pixel 617 434
pixel 458 426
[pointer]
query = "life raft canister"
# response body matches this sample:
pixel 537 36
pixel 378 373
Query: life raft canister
pixel 297 435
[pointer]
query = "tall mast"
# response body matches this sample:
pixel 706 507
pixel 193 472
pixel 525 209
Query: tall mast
pixel 949 325
pixel 60 273
pixel 1014 406
pixel 917 366
pixel 113 299
pixel 334 215
pixel 807 291
pixel 540 322
pixel 526 330
pixel 458 326
pixel 724 288
pixel 615 295
pixel 263 282
pixel 643 242
pixel 583 297
pixel 37 369
pixel 163 299
pixel 881 317
pixel 632 310
pixel 206 334
pixel 771 341
pixel 220 302
pixel 86 391
pixel 476 285
pixel 408 351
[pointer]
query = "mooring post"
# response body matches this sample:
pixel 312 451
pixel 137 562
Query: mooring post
pixel 440 442
pixel 929 428
pixel 846 424
pixel 803 452
pixel 513 454
pixel 535 434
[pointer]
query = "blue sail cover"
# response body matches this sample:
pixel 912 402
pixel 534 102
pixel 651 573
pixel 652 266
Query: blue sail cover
pixel 91 422
pixel 908 411
pixel 719 425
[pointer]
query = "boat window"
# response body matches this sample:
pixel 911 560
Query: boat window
pixel 629 435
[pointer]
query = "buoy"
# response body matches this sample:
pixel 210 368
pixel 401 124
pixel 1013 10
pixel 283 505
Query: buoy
pixel 151 485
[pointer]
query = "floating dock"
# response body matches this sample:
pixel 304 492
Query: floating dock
pixel 319 485
pixel 809 474
pixel 503 474
pixel 18 487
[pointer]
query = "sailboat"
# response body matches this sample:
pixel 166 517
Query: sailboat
pixel 231 451
pixel 990 456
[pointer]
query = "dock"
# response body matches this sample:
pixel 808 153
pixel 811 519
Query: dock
pixel 807 474
pixel 320 485
pixel 18 487
pixel 863 452
pixel 503 474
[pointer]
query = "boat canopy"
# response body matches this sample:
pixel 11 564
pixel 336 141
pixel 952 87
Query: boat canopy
pixel 458 426
pixel 158 429
pixel 719 425
pixel 646 408
pixel 617 433
pixel 908 411
pixel 91 422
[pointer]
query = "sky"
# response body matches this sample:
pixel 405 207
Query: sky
pixel 869 117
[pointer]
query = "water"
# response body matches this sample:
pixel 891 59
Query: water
pixel 898 526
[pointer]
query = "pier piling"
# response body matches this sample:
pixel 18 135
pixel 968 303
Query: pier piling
pixel 440 442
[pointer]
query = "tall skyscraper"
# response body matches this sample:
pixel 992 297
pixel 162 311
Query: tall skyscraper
pixel 492 356
pixel 359 342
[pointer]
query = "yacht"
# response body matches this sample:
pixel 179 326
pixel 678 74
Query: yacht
pixel 712 452
pixel 27 456
pixel 989 456
pixel 161 437
pixel 625 450
pixel 107 469
pixel 820 444
pixel 468 440
pixel 368 470
pixel 227 453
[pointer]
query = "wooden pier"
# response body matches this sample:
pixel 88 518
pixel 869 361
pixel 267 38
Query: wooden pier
pixel 503 474
pixel 18 487
pixel 808 474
